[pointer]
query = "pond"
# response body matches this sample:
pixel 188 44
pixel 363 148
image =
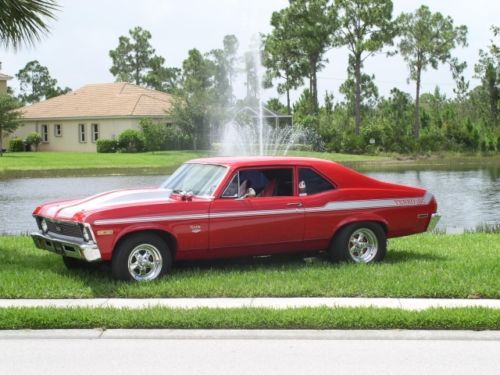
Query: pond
pixel 466 197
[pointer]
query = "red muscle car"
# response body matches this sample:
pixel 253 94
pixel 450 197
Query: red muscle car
pixel 238 206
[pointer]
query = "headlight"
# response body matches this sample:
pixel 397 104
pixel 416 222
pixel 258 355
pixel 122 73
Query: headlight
pixel 45 227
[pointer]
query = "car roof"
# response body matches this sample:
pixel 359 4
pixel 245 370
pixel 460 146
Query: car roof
pixel 240 161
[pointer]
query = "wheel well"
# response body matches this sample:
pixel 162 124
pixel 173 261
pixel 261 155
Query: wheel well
pixel 165 236
pixel 382 224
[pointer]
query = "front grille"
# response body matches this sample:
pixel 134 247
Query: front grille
pixel 65 228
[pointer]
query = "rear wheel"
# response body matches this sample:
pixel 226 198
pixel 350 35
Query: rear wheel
pixel 363 242
pixel 141 257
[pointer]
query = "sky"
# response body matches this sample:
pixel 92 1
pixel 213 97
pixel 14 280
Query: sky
pixel 77 49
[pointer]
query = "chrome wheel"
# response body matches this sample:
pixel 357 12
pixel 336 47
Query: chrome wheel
pixel 145 262
pixel 363 245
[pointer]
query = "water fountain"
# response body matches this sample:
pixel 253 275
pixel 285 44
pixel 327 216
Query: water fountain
pixel 257 131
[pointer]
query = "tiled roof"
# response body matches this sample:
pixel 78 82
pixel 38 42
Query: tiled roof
pixel 102 100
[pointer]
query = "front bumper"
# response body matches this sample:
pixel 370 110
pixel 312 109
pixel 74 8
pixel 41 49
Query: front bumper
pixel 69 248
pixel 433 222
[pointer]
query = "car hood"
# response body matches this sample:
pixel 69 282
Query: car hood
pixel 68 210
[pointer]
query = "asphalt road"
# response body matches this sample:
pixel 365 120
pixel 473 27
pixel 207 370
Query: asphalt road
pixel 249 352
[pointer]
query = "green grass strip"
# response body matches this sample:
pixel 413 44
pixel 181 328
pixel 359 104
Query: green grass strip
pixel 250 318
pixel 430 266
pixel 88 162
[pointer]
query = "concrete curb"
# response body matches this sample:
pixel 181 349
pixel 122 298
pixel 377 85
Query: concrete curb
pixel 414 304
pixel 234 334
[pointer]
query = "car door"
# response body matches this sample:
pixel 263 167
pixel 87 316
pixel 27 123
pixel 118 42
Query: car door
pixel 271 221
pixel 316 191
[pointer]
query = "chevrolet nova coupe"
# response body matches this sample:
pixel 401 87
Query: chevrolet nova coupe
pixel 238 206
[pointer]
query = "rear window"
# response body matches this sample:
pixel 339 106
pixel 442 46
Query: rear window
pixel 311 182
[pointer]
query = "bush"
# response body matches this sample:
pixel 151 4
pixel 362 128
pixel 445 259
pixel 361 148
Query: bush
pixel 131 141
pixel 353 144
pixel 16 145
pixel 160 136
pixel 107 146
pixel 34 139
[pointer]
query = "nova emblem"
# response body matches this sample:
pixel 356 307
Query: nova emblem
pixel 195 228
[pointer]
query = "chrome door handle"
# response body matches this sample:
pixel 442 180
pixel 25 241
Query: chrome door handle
pixel 298 204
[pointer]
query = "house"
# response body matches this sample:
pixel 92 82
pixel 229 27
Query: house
pixel 75 121
pixel 3 81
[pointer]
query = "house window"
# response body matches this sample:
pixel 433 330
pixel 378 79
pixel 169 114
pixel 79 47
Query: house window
pixel 82 134
pixel 57 130
pixel 45 133
pixel 95 132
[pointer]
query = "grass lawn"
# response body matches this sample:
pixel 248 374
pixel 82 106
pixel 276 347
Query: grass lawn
pixel 166 160
pixel 250 318
pixel 462 266
pixel 37 161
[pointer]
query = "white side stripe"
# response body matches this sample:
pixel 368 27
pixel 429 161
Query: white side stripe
pixel 150 219
pixel 330 206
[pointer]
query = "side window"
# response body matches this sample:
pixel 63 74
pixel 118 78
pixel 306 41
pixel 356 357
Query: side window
pixel 82 133
pixel 232 189
pixel 95 132
pixel 57 130
pixel 262 182
pixel 312 183
pixel 45 133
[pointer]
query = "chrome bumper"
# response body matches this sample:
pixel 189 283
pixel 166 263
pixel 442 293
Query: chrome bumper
pixel 85 251
pixel 433 222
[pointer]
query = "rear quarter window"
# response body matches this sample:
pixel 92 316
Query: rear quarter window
pixel 310 182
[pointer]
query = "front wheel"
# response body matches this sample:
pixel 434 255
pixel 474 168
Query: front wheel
pixel 363 242
pixel 141 257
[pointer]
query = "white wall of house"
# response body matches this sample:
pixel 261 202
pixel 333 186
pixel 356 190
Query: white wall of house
pixel 70 138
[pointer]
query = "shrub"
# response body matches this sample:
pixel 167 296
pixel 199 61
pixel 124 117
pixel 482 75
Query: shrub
pixel 34 139
pixel 159 136
pixel 16 145
pixel 131 140
pixel 107 146
pixel 353 144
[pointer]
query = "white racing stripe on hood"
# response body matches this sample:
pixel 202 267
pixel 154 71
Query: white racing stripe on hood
pixel 121 197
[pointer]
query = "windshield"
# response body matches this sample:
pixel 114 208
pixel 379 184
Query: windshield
pixel 197 179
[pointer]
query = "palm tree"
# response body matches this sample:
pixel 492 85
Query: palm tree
pixel 24 21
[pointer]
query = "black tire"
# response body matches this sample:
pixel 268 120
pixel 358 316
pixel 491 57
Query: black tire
pixel 150 247
pixel 73 263
pixel 370 233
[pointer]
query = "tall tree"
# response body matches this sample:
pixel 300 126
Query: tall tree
pixel 9 119
pixel 160 77
pixel 426 40
pixel 222 77
pixel 36 83
pixel 191 107
pixel 230 48
pixel 24 22
pixel 282 58
pixel 365 27
pixel 488 71
pixel 360 92
pixel 313 24
pixel 251 74
pixel 132 57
